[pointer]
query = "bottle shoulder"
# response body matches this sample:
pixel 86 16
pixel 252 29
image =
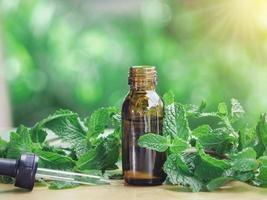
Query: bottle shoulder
pixel 145 103
pixel 149 98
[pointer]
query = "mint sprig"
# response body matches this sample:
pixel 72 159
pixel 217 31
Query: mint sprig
pixel 207 158
pixel 86 147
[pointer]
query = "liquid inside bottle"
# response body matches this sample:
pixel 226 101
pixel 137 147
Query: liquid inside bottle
pixel 142 113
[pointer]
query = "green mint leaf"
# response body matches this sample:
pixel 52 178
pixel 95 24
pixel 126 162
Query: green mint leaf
pixel 54 160
pixel 169 98
pixel 59 185
pixel 261 140
pixel 169 121
pixel 203 129
pixel 104 156
pixel 116 120
pixel 178 173
pixel 202 106
pixel 182 126
pixel 244 176
pixel 218 140
pixel 263 161
pixel 223 164
pixel 248 153
pixel 195 111
pixel 38 135
pixel 3 148
pixel 6 180
pixel 218 182
pixel 261 175
pixel 245 160
pixel 154 142
pixel 59 150
pixel 180 162
pixel 67 126
pixel 237 110
pixel 178 145
pixel 99 121
pixel 222 109
pixel 175 122
pixel 247 137
pixel 208 167
pixel 20 142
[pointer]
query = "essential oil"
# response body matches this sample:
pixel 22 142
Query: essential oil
pixel 142 112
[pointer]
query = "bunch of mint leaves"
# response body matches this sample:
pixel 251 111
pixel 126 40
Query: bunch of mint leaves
pixel 206 158
pixel 88 149
pixel 203 158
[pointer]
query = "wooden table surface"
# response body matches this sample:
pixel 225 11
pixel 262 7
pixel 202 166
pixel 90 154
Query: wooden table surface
pixel 235 191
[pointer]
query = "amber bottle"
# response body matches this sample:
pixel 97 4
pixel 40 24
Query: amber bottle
pixel 142 112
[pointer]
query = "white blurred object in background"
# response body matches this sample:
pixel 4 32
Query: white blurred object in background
pixel 5 111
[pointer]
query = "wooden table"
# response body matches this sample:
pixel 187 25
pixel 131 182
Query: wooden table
pixel 235 191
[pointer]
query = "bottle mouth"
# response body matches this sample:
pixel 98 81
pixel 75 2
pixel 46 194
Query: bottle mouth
pixel 142 74
pixel 142 70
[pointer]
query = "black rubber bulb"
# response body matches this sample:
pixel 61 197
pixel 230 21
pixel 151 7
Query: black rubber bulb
pixel 23 170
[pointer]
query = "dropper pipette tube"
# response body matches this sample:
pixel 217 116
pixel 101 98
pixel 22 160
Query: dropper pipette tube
pixel 71 177
pixel 25 171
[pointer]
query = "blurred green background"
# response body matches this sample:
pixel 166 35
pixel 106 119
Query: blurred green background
pixel 76 54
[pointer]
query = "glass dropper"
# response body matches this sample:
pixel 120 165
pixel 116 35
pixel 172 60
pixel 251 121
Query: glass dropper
pixel 25 171
pixel 71 177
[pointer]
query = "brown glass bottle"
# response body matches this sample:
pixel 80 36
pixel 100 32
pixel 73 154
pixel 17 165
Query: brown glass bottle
pixel 142 112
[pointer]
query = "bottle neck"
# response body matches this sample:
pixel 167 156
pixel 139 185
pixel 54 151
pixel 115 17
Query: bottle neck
pixel 143 86
pixel 142 78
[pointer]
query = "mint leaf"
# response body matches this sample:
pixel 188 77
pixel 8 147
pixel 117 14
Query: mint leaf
pixel 169 98
pixel 178 145
pixel 223 164
pixel 261 140
pixel 3 148
pixel 104 156
pixel 247 153
pixel 99 120
pixel 261 175
pixel 154 142
pixel 208 167
pixel 169 121
pixel 237 110
pixel 65 124
pixel 181 162
pixel 38 134
pixel 201 131
pixel 178 173
pixel 59 185
pixel 182 128
pixel 195 111
pixel 20 142
pixel 244 176
pixel 247 137
pixel 161 144
pixel 175 122
pixel 54 160
pixel 222 109
pixel 245 160
pixel 218 182
pixel 6 180
pixel 263 160
pixel 218 140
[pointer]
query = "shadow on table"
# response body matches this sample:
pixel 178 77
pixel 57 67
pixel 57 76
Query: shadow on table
pixel 13 190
